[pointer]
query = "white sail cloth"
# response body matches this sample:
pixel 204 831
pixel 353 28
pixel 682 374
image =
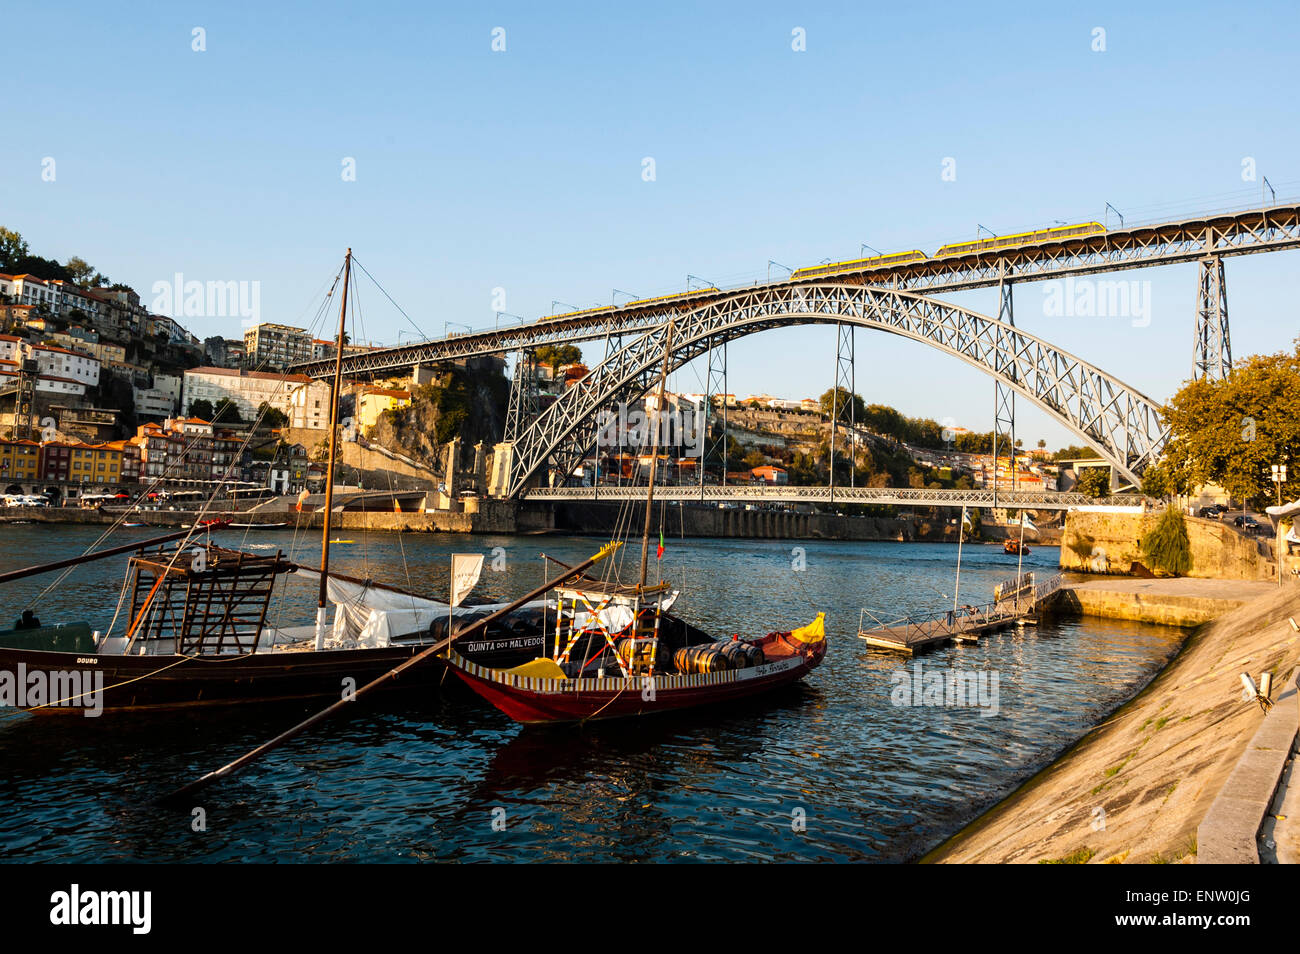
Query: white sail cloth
pixel 613 618
pixel 371 617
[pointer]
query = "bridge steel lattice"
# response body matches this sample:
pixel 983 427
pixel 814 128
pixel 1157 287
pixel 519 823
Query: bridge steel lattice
pixel 897 496
pixel 1213 236
pixel 1119 421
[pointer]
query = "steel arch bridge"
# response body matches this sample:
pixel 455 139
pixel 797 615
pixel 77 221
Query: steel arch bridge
pixel 1119 421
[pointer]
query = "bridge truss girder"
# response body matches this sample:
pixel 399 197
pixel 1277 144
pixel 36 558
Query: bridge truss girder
pixel 1121 422
pixel 1221 235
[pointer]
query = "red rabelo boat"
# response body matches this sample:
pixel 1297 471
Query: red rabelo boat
pixel 638 667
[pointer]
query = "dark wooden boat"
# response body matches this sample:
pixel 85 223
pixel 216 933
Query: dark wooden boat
pixel 198 636
pixel 639 666
pixel 542 691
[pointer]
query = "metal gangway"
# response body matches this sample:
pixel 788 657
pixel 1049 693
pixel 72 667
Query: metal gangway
pixel 1016 602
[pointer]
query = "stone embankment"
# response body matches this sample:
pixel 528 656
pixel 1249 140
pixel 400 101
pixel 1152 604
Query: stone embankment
pixel 1140 786
pixel 1112 543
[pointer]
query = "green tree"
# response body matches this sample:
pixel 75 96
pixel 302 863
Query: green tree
pixel 1094 481
pixel 201 409
pixel 226 411
pixel 13 249
pixel 1076 453
pixel 556 356
pixel 1231 431
pixel 1157 481
pixel 80 271
pixel 1166 547
pixel 271 418
pixel 829 401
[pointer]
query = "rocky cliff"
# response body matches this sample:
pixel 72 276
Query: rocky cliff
pixel 458 403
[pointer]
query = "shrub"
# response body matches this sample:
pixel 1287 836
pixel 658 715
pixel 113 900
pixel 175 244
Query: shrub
pixel 1166 547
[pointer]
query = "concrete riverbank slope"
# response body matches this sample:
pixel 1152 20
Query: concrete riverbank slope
pixel 1169 602
pixel 1136 788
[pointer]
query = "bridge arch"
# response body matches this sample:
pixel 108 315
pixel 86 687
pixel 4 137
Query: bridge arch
pixel 1120 422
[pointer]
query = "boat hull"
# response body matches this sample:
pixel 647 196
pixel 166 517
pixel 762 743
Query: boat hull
pixel 166 681
pixel 169 681
pixel 533 700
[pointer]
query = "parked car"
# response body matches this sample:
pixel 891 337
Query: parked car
pixel 1209 513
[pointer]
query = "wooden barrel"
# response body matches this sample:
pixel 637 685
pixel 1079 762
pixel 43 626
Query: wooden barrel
pixel 700 659
pixel 739 654
pixel 635 655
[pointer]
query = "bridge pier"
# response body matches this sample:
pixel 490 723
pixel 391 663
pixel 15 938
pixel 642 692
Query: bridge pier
pixel 1213 351
pixel 523 394
pixel 715 383
pixel 844 380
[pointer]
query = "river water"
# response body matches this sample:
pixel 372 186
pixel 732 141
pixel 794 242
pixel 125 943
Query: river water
pixel 831 769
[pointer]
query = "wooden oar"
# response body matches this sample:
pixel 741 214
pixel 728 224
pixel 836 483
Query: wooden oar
pixel 87 557
pixel 232 767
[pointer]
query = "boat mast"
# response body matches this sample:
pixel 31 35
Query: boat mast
pixel 956 587
pixel 654 453
pixel 329 467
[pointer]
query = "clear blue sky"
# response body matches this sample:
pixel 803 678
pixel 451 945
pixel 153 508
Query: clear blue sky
pixel 523 169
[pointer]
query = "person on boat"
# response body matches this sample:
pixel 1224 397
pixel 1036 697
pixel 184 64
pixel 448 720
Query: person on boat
pixel 27 621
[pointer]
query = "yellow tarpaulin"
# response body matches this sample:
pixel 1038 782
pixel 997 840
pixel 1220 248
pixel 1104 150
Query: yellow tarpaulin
pixel 814 632
pixel 542 668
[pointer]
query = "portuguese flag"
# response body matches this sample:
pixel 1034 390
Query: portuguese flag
pixel 659 553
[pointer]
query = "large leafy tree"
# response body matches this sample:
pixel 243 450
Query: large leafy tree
pixel 226 411
pixel 829 402
pixel 1230 432
pixel 13 249
pixel 83 273
pixel 556 356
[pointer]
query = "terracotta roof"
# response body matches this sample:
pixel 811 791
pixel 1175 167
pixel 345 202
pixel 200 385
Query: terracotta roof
pixel 57 349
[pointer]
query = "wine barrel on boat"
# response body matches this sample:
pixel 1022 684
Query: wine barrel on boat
pixel 700 659
pixel 739 653
pixel 637 654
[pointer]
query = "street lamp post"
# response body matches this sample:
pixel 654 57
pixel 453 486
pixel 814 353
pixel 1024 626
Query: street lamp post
pixel 1279 478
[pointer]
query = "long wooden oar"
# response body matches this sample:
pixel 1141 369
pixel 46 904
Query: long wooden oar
pixel 232 767
pixel 88 557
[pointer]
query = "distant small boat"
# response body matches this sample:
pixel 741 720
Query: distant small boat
pixel 257 526
pixel 134 525
pixel 1015 548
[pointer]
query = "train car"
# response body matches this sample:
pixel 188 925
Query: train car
pixel 860 264
pixel 602 309
pixel 685 294
pixel 597 310
pixel 1053 234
